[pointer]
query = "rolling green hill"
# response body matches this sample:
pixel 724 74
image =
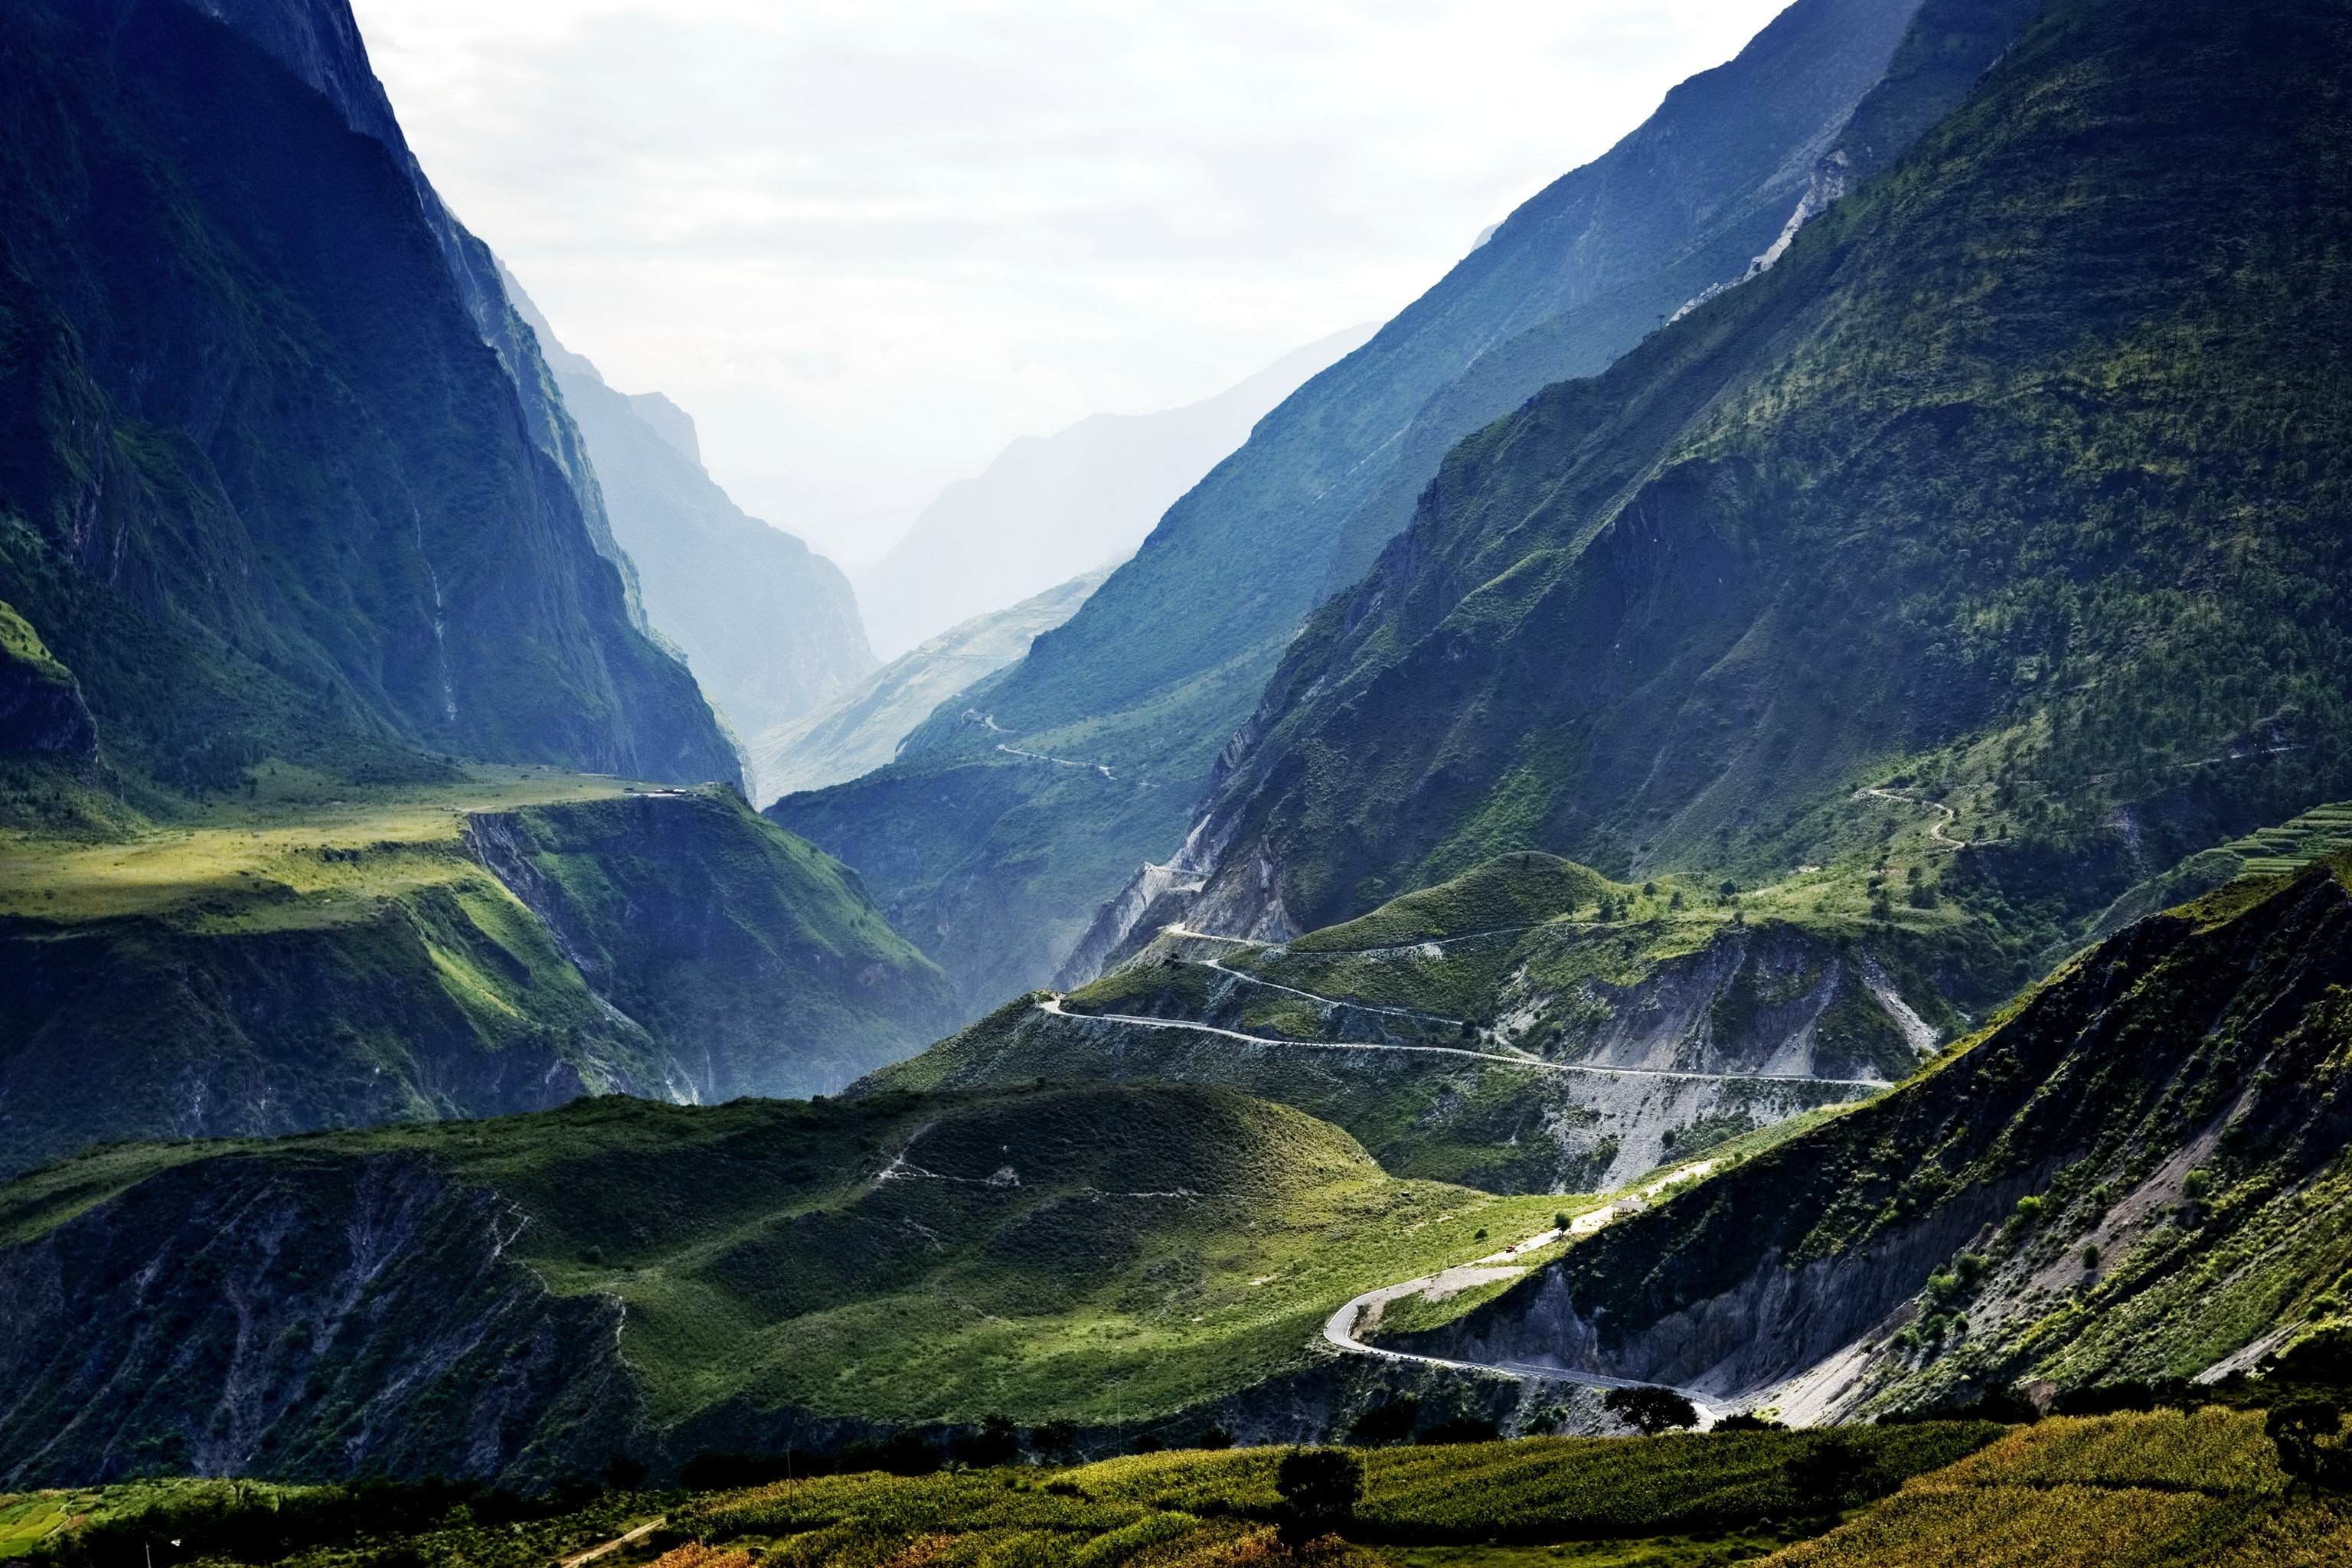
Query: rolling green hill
pixel 521 1297
pixel 321 955
pixel 2011 490
pixel 1527 1027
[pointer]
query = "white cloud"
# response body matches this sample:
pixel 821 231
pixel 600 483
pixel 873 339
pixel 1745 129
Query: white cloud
pixel 867 244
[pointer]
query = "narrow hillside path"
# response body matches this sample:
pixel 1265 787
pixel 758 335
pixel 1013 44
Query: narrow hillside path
pixel 1052 1006
pixel 1945 815
pixel 1439 943
pixel 1249 979
pixel 987 721
pixel 639 1533
pixel 1340 1329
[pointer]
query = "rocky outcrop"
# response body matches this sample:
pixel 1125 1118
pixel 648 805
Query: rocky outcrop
pixel 290 1316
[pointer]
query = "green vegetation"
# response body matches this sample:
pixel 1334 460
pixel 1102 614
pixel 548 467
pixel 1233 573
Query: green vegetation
pixel 2144 1491
pixel 1007 860
pixel 1527 959
pixel 261 490
pixel 1095 1255
pixel 1945 531
pixel 496 942
pixel 2139 1157
pixel 2179 1492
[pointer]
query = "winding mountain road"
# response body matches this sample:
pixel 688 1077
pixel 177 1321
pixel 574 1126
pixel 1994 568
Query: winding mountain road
pixel 1248 979
pixel 1052 1006
pixel 1945 815
pixel 1340 1329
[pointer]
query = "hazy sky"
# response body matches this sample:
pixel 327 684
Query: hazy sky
pixel 867 244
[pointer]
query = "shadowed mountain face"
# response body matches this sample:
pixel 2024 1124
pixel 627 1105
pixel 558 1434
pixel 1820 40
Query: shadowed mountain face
pixel 769 627
pixel 2014 473
pixel 1009 857
pixel 319 42
pixel 263 487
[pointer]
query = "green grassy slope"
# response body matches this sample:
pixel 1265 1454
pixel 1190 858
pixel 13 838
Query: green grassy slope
pixel 318 954
pixel 1525 961
pixel 2012 485
pixel 263 489
pixel 2138 1172
pixel 1161 667
pixel 710 1278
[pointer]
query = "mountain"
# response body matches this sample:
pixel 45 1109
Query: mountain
pixel 523 1297
pixel 319 42
pixel 2007 505
pixel 1527 1027
pixel 1051 505
pixel 997 862
pixel 769 627
pixel 2138 1173
pixel 264 490
pixel 860 730
pixel 325 955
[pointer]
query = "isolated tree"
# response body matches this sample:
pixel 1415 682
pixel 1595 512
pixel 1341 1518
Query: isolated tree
pixel 1650 1410
pixel 1831 1473
pixel 1390 1421
pixel 2297 1427
pixel 993 1443
pixel 1319 1488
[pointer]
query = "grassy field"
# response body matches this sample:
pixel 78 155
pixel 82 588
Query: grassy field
pixel 300 850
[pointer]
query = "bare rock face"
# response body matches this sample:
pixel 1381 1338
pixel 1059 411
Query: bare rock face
pixel 255 1316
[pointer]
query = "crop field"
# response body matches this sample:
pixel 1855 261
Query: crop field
pixel 1572 1501
pixel 2125 1492
pixel 2200 1491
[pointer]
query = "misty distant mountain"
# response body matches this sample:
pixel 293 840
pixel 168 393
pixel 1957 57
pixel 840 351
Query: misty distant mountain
pixel 769 627
pixel 860 730
pixel 1051 506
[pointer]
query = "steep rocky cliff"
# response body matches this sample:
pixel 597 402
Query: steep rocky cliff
pixel 770 627
pixel 319 42
pixel 263 489
pixel 757 960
